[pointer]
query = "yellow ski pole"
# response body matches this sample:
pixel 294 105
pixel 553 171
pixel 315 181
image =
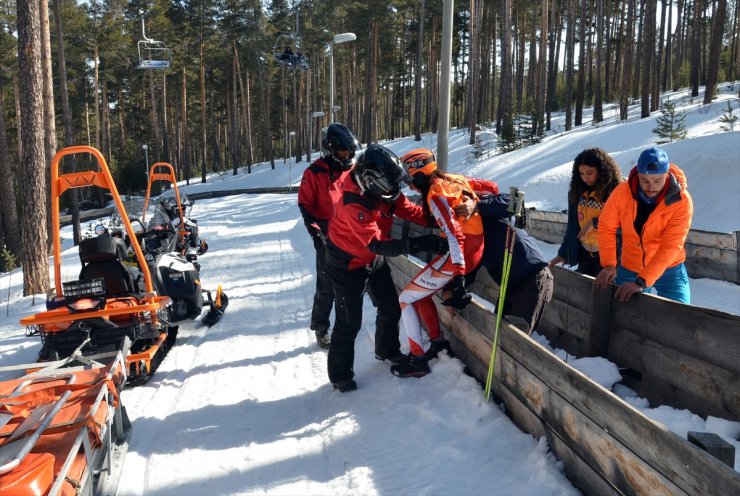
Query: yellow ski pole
pixel 515 208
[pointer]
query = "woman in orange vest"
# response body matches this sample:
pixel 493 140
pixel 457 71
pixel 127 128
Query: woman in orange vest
pixel 595 175
pixel 441 193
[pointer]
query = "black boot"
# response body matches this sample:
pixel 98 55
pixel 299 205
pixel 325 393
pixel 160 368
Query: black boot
pixel 323 339
pixel 413 366
pixel 345 386
pixel 436 346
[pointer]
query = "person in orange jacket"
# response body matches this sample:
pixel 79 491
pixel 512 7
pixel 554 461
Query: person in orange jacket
pixel 653 209
pixel 441 194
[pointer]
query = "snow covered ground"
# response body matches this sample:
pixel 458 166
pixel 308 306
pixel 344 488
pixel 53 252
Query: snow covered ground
pixel 246 408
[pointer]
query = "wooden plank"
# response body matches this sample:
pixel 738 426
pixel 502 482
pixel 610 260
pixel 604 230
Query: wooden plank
pixel 571 321
pixel 600 323
pixel 706 389
pixel 578 471
pixel 593 444
pixel 725 241
pixel 549 216
pixel 692 470
pixel 572 288
pixel 706 334
pixel 611 458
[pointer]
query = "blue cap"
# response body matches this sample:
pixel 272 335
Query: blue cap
pixel 653 161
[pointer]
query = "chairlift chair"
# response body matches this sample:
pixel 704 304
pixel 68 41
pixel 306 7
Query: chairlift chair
pixel 281 56
pixel 153 54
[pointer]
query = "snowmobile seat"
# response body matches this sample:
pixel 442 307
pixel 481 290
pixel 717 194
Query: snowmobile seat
pixel 103 257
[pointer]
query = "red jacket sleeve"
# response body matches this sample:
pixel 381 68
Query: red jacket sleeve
pixel 482 186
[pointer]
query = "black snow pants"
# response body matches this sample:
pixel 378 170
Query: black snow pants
pixel 323 298
pixel 349 286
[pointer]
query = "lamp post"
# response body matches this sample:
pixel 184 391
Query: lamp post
pixel 146 162
pixel 290 165
pixel 338 38
pixel 310 133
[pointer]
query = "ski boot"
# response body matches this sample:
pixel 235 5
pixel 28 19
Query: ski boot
pixel 414 366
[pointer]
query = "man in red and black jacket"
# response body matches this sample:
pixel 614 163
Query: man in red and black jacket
pixel 359 240
pixel 320 189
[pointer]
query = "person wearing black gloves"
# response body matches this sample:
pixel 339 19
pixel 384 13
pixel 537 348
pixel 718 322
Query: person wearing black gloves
pixel 530 284
pixel 320 189
pixel 357 246
pixel 441 192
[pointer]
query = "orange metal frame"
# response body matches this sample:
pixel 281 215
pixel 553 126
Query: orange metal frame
pixel 170 177
pixel 102 178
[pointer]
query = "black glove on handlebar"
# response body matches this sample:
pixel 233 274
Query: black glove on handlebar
pixel 460 296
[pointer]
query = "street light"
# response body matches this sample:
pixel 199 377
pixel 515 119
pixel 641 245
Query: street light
pixel 338 38
pixel 290 165
pixel 146 162
pixel 310 133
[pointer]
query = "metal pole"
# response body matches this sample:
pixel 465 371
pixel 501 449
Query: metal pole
pixel 146 162
pixel 443 124
pixel 309 119
pixel 331 82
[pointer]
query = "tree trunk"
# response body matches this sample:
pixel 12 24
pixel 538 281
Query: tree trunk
pixel 184 128
pixel 581 84
pixel 628 57
pixel 203 122
pixel 417 74
pixel 678 42
pixel 504 120
pixel 33 161
pixel 569 63
pixel 50 134
pixel 714 50
pixel 648 54
pixel 598 88
pixel 7 189
pixel 696 47
pixel 66 115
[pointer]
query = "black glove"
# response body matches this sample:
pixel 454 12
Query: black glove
pixel 319 240
pixel 428 242
pixel 460 297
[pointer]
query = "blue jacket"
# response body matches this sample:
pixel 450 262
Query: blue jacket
pixel 527 258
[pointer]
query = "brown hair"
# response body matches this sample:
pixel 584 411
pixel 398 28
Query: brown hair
pixel 609 174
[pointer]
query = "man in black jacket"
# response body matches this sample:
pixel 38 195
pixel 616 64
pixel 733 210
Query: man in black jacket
pixel 530 284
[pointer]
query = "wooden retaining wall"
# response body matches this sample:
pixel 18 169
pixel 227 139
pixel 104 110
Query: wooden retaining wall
pixel 608 447
pixel 708 254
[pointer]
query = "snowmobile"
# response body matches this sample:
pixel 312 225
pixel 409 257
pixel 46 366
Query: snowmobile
pixel 63 429
pixel 178 208
pixel 108 304
pixel 174 274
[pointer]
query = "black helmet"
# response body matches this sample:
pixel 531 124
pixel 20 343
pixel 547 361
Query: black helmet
pixel 336 138
pixel 380 174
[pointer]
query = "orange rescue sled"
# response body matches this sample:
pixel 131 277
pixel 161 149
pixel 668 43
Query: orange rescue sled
pixel 63 430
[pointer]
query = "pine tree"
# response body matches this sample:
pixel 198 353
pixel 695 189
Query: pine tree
pixel 728 119
pixel 7 260
pixel 671 126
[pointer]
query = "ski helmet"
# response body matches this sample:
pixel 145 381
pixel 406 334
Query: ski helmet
pixel 380 174
pixel 338 138
pixel 420 165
